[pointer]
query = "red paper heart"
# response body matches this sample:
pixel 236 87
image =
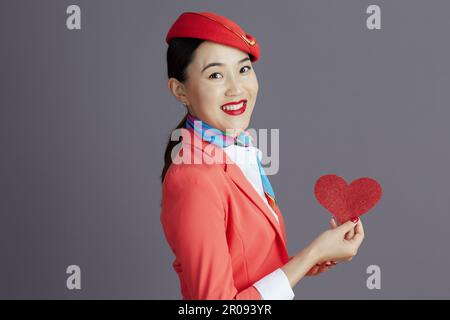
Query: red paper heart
pixel 345 201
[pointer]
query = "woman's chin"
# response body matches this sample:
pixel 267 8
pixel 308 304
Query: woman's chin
pixel 237 127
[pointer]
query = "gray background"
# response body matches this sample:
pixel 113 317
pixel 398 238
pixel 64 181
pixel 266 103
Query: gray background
pixel 85 116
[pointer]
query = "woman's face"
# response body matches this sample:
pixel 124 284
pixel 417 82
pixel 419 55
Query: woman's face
pixel 219 75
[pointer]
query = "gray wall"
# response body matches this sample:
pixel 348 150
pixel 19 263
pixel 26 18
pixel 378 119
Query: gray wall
pixel 85 115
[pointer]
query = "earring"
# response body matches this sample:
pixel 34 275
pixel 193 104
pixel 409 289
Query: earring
pixel 185 104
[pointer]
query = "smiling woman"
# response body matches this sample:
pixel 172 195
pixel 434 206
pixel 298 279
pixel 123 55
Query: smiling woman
pixel 221 219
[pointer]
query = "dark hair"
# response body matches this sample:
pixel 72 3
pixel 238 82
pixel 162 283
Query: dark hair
pixel 179 55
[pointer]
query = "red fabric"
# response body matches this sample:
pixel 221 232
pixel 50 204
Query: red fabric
pixel 347 201
pixel 213 27
pixel 223 235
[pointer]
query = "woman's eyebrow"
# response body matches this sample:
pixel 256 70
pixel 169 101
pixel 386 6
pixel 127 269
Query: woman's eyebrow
pixel 221 64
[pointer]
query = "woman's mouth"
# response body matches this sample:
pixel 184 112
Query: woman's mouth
pixel 235 108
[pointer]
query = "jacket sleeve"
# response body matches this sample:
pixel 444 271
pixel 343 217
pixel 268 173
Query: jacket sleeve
pixel 193 218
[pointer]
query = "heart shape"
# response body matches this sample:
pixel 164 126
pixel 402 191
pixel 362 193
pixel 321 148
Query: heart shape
pixel 345 201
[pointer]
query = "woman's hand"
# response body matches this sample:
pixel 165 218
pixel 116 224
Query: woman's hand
pixel 332 245
pixel 325 266
pixel 336 244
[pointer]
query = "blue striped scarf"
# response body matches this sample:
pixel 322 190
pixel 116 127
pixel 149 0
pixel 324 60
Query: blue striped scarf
pixel 222 140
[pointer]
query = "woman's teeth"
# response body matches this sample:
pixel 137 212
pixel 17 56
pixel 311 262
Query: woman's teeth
pixel 233 107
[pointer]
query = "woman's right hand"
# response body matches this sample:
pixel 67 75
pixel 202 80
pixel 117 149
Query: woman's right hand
pixel 334 245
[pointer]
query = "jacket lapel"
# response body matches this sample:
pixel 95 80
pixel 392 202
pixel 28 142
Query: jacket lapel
pixel 235 173
pixel 282 224
pixel 237 176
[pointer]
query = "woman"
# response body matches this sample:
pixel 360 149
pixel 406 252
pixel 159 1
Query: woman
pixel 219 213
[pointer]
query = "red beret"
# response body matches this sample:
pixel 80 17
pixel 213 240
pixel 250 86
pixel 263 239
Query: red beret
pixel 213 27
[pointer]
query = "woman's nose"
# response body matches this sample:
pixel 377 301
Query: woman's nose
pixel 234 88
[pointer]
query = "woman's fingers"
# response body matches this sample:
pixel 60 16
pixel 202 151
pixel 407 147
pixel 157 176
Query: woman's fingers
pixel 349 235
pixel 346 227
pixel 358 237
pixel 351 231
pixel 360 228
pixel 334 225
pixel 314 270
pixel 325 266
pixel 359 233
pixel 318 268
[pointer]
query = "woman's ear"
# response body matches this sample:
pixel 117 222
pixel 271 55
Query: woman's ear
pixel 177 89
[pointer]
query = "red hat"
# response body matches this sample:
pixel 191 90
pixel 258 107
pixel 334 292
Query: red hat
pixel 213 27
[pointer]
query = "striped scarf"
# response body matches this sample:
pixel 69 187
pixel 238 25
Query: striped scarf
pixel 222 140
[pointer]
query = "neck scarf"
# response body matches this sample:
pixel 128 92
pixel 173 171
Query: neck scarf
pixel 222 140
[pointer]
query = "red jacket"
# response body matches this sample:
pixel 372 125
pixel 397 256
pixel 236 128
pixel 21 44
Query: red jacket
pixel 223 235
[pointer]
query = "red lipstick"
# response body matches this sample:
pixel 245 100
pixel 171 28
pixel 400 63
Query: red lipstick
pixel 234 108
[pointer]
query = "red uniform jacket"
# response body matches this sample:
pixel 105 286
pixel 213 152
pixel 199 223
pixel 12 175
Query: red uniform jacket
pixel 223 235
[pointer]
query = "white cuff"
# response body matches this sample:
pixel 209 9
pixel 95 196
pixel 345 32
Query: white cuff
pixel 275 286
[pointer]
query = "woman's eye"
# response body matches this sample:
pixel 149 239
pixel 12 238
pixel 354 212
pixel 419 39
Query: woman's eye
pixel 249 68
pixel 212 75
